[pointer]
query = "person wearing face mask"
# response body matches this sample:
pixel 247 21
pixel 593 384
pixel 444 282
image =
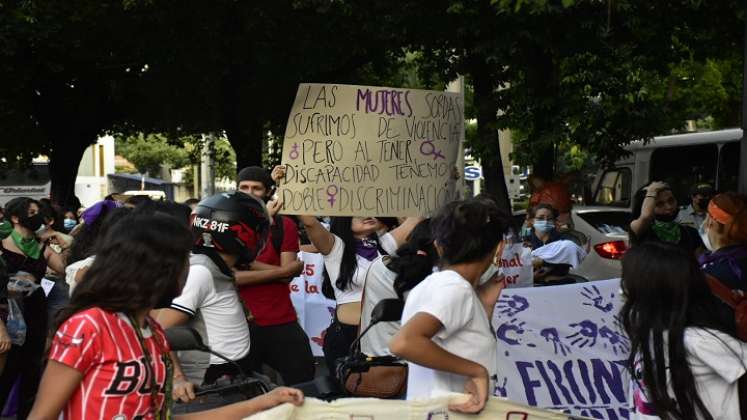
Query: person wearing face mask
pixel 22 251
pixel 230 229
pixel 70 221
pixel 655 213
pixel 724 233
pixel 542 224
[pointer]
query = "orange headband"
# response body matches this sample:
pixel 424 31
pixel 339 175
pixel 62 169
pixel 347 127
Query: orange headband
pixel 719 214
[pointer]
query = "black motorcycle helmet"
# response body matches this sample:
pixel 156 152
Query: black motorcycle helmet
pixel 233 223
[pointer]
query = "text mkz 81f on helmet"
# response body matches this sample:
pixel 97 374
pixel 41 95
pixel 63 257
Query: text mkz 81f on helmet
pixel 233 223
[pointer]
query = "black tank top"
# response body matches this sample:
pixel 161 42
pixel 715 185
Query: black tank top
pixel 20 262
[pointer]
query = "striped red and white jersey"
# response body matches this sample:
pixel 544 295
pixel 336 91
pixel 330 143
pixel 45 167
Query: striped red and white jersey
pixel 104 347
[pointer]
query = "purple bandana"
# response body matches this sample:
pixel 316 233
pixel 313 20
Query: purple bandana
pixel 367 248
pixel 102 207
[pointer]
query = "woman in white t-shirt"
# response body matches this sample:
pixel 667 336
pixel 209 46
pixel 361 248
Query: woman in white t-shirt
pixel 446 334
pixel 392 277
pixel 686 362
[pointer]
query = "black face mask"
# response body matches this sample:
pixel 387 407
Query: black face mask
pixel 667 218
pixel 32 223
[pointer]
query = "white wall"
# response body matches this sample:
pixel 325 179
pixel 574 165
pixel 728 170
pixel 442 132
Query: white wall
pixel 98 161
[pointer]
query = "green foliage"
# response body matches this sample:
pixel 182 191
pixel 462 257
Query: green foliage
pixel 149 152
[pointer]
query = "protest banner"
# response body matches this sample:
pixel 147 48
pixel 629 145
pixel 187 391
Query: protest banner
pixel 515 264
pixel 314 310
pixel 430 409
pixel 562 348
pixel 371 151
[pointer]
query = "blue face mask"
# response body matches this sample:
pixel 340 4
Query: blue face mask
pixel 69 224
pixel 543 226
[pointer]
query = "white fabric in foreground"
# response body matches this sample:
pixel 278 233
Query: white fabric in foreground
pixel 561 252
pixel 376 409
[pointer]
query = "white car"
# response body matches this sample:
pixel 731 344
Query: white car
pixel 602 232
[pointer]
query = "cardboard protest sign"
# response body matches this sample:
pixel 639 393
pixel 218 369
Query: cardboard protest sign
pixel 371 151
pixel 561 348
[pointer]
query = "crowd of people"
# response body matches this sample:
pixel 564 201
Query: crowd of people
pixel 121 273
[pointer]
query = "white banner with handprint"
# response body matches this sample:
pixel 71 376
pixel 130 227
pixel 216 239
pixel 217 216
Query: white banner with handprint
pixel 562 348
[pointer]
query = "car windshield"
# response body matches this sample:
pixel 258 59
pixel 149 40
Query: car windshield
pixel 608 222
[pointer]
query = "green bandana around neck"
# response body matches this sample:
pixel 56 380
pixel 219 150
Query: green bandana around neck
pixel 29 246
pixel 667 231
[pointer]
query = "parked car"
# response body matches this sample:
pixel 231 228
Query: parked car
pixel 602 232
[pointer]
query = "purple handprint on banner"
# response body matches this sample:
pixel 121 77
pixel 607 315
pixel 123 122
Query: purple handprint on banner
pixel 594 298
pixel 501 390
pixel 510 305
pixel 551 335
pixel 585 336
pixel 509 332
pixel 618 342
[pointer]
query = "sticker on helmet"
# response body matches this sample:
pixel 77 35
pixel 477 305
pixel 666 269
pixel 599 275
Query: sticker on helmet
pixel 211 225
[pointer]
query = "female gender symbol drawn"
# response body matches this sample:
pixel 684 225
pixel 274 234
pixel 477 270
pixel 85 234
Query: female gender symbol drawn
pixel 425 151
pixel 294 151
pixel 332 194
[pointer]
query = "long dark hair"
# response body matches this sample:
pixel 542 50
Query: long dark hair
pixel 86 241
pixel 666 293
pixel 343 228
pixel 468 230
pixel 415 259
pixel 139 261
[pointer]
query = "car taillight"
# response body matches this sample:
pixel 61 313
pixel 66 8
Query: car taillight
pixel 611 250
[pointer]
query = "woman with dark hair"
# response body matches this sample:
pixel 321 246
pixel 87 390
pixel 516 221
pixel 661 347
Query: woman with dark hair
pixel 655 213
pixel 85 237
pixel 724 234
pixel 685 359
pixel 92 235
pixel 23 252
pixel 446 331
pixel 109 359
pixel 349 247
pixel 542 223
pixel 392 277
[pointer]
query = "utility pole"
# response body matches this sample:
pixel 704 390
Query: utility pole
pixel 207 166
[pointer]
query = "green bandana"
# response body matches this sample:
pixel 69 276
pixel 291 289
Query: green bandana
pixel 29 246
pixel 667 231
pixel 5 228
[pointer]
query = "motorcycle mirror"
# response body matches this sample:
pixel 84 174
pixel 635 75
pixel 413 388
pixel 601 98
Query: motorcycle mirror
pixel 387 310
pixel 185 338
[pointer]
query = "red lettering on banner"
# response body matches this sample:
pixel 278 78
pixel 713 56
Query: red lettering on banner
pixel 512 279
pixel 311 288
pixel 294 288
pixel 515 261
pixel 310 270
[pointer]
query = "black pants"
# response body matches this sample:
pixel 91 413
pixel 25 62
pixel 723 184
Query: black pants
pixel 215 372
pixel 26 361
pixel 285 348
pixel 337 343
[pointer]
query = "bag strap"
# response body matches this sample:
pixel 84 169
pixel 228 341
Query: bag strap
pixel 722 291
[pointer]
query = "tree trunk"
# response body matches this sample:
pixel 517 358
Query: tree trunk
pixel 63 169
pixel 246 138
pixel 487 133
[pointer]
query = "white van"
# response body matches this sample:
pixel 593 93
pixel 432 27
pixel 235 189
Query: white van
pixel 32 182
pixel 681 160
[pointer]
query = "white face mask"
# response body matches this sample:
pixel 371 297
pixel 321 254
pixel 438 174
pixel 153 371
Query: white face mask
pixel 704 236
